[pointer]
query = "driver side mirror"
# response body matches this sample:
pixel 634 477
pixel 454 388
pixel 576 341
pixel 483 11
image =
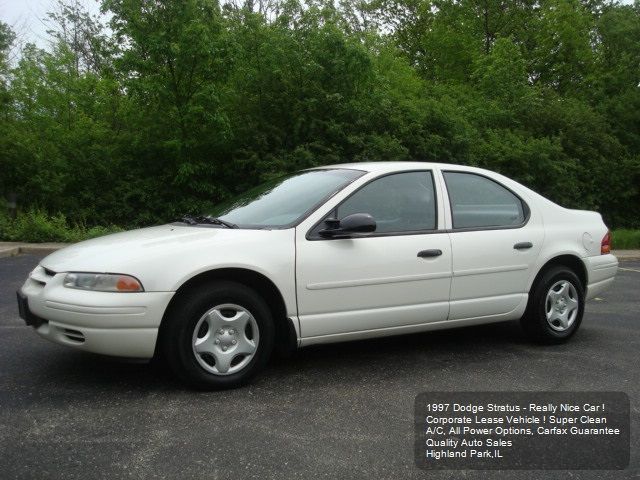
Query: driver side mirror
pixel 354 223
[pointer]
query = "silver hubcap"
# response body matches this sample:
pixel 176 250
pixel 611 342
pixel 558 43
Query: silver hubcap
pixel 225 339
pixel 561 305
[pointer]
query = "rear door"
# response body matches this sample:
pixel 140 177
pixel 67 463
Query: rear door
pixel 398 276
pixel 495 239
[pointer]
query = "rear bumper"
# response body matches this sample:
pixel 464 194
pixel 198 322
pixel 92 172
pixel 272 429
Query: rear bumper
pixel 118 324
pixel 601 271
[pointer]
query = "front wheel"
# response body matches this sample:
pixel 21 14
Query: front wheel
pixel 218 336
pixel 556 306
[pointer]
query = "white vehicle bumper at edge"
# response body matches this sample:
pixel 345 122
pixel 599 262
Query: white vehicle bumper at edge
pixel 118 324
pixel 601 271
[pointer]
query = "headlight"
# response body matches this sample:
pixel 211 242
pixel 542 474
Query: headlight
pixel 103 282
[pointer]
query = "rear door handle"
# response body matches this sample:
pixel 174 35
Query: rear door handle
pixel 430 253
pixel 523 245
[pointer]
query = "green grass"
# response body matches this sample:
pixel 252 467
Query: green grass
pixel 625 239
pixel 36 226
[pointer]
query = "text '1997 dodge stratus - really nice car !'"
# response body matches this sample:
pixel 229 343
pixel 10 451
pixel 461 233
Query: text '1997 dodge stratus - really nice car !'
pixel 330 254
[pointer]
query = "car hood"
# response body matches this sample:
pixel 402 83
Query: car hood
pixel 161 252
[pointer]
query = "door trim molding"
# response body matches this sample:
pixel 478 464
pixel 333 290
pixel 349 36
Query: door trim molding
pixel 487 270
pixel 377 281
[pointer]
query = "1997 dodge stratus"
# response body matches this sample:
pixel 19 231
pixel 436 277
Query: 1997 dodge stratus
pixel 330 254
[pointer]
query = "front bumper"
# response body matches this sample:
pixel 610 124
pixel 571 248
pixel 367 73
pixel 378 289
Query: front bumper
pixel 118 324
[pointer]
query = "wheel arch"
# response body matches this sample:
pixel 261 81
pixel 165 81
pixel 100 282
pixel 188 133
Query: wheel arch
pixel 286 337
pixel 571 261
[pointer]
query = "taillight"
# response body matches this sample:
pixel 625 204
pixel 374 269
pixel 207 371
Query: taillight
pixel 605 245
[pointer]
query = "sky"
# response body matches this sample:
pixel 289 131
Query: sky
pixel 26 17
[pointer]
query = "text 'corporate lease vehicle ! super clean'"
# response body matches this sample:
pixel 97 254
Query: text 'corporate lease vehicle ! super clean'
pixel 330 254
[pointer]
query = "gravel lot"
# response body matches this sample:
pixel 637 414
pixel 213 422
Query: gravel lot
pixel 340 411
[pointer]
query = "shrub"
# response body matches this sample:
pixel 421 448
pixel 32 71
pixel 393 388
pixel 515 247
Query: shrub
pixel 625 239
pixel 36 226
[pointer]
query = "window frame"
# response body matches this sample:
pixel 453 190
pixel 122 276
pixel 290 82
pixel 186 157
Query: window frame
pixel 525 207
pixel 315 237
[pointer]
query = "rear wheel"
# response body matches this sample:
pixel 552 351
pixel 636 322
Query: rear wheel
pixel 556 306
pixel 218 336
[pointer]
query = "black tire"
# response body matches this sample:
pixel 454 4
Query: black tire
pixel 178 331
pixel 534 322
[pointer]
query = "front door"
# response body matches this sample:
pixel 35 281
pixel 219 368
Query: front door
pixel 398 276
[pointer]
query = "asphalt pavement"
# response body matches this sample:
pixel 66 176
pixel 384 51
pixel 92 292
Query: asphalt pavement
pixel 336 411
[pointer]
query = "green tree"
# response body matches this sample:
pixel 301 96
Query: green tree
pixel 182 103
pixel 173 63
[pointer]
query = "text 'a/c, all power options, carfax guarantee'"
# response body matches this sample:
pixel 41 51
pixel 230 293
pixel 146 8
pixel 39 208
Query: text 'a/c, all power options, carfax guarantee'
pixel 522 430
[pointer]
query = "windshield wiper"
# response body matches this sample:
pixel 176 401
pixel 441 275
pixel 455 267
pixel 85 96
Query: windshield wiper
pixel 188 219
pixel 216 221
pixel 205 219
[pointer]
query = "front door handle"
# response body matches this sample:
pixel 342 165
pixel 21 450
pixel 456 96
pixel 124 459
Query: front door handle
pixel 523 245
pixel 430 253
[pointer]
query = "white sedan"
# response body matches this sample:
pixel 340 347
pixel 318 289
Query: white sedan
pixel 330 254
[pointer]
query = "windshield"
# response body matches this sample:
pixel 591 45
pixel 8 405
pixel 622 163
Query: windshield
pixel 285 200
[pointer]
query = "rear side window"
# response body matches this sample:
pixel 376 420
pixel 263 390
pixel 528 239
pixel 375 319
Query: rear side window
pixel 478 201
pixel 402 202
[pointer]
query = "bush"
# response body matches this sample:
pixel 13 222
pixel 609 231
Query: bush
pixel 625 239
pixel 36 226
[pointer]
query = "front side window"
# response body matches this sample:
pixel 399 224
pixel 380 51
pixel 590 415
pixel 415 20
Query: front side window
pixel 479 202
pixel 401 202
pixel 286 200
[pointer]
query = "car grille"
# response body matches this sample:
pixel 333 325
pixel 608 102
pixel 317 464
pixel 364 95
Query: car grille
pixel 41 275
pixel 74 335
pixel 48 273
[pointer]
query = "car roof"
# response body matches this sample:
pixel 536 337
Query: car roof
pixel 391 166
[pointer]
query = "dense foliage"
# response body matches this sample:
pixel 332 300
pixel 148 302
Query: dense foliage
pixel 36 227
pixel 179 104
